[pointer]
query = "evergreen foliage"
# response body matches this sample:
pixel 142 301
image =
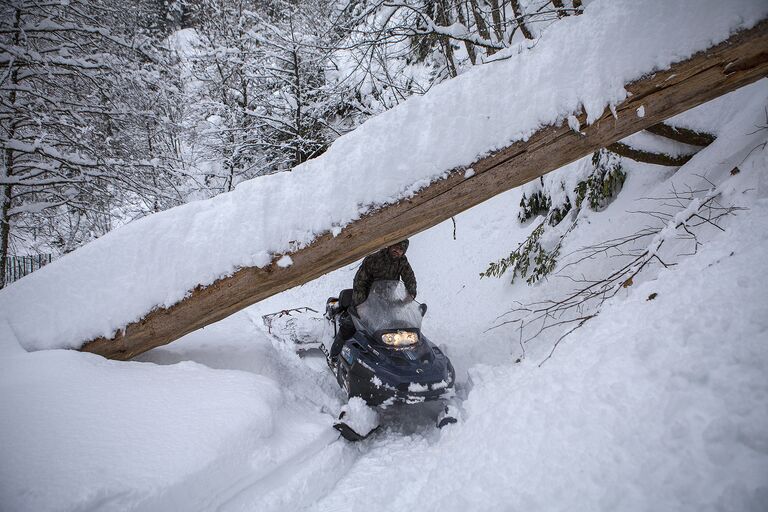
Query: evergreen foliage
pixel 538 203
pixel 534 259
pixel 530 260
pixel 604 183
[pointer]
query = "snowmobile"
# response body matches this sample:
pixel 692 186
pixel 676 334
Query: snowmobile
pixel 388 359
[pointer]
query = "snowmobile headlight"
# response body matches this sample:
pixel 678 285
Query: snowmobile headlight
pixel 400 338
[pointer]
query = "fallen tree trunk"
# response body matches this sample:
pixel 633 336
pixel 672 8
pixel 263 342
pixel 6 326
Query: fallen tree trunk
pixel 684 135
pixel 648 157
pixel 738 61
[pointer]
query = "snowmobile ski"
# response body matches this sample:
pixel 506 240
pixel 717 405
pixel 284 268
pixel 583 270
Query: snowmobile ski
pixel 357 420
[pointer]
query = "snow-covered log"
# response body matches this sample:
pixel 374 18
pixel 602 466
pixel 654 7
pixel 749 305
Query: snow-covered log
pixel 684 135
pixel 738 61
pixel 648 157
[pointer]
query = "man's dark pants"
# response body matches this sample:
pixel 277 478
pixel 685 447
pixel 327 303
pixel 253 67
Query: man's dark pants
pixel 346 330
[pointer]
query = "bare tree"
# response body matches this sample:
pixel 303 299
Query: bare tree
pixel 262 104
pixel 521 22
pixel 67 126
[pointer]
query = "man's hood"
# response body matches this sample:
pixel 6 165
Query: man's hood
pixel 404 243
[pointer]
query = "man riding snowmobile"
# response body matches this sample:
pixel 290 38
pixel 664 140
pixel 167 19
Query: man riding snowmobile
pixel 389 263
pixel 379 355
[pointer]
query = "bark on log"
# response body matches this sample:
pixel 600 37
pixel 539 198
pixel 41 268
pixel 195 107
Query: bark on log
pixel 684 135
pixel 740 60
pixel 638 155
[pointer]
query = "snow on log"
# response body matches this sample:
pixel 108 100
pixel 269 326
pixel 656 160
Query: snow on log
pixel 740 60
pixel 591 80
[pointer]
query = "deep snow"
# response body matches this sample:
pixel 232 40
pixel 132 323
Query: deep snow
pixel 583 61
pixel 654 405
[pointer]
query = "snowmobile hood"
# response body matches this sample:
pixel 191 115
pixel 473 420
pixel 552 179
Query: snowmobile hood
pixel 381 374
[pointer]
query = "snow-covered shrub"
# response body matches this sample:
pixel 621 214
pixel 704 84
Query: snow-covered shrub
pixel 604 183
pixel 519 259
pixel 550 198
pixel 537 204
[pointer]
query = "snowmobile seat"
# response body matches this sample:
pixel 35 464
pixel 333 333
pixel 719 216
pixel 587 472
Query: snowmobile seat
pixel 345 298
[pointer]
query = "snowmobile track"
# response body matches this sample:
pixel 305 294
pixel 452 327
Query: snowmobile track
pixel 245 492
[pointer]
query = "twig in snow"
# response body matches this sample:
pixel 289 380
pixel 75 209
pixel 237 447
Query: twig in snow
pixel 689 211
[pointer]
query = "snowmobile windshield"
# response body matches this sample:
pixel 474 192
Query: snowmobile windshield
pixel 389 306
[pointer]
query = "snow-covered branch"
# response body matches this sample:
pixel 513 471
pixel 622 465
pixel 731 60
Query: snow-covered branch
pixel 681 225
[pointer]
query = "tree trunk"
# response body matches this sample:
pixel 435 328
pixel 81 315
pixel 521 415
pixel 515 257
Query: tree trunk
pixel 5 208
pixel 560 8
pixel 496 17
pixel 228 184
pixel 648 157
pixel 469 46
pixel 299 153
pixel 444 20
pixel 520 17
pixel 683 135
pixel 482 28
pixel 5 229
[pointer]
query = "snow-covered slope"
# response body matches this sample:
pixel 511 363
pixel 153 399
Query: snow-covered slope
pixel 583 61
pixel 653 405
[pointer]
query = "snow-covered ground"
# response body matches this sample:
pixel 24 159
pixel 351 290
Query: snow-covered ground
pixel 658 403
pixel 654 405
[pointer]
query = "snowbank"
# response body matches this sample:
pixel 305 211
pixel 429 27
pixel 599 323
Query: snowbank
pixel 155 261
pixel 78 432
pixel 105 434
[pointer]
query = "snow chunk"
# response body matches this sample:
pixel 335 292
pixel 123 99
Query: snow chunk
pixel 261 259
pixel 641 111
pixel 573 123
pixel 359 416
pixel 469 173
pixel 440 385
pixel 285 262
pixel 417 388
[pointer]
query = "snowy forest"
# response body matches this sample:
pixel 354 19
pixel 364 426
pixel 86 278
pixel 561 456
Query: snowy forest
pixel 433 255
pixel 114 111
